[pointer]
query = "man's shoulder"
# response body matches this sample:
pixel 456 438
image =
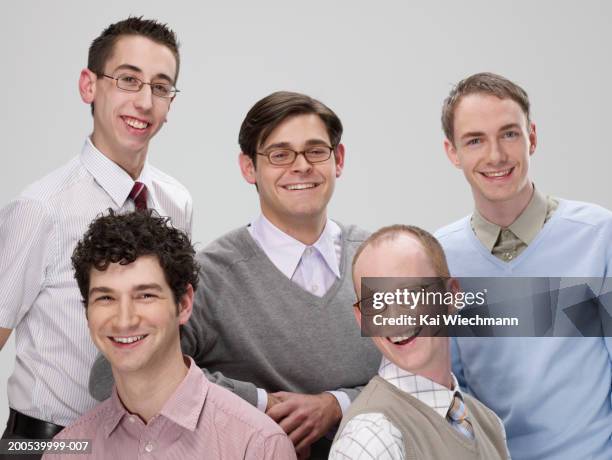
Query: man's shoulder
pixel 353 233
pixel 225 407
pixel 449 231
pixel 55 182
pixel 580 212
pixel 88 424
pixel 167 182
pixel 228 248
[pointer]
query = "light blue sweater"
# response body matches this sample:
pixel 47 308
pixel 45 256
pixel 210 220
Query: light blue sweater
pixel 552 393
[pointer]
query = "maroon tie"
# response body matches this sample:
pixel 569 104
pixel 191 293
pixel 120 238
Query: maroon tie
pixel 139 195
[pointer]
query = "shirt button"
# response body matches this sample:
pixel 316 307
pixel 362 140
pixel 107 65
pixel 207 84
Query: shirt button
pixel 315 288
pixel 131 419
pixel 149 447
pixel 508 256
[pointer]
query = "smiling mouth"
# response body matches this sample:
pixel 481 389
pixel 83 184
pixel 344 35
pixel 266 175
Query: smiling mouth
pixel 128 340
pixel 405 339
pixel 135 123
pixel 303 186
pixel 497 174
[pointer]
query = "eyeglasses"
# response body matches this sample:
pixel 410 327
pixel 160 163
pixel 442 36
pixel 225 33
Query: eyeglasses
pixel 367 309
pixel 284 157
pixel 133 84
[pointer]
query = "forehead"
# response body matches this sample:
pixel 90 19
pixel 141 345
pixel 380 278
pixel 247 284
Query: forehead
pixel 144 270
pixel 478 112
pixel 298 129
pixel 138 51
pixel 404 256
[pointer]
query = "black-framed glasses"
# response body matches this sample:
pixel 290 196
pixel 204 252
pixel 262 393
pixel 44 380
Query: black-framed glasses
pixel 285 156
pixel 367 309
pixel 133 84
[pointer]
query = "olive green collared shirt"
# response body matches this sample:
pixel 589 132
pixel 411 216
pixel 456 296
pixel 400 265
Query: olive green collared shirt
pixel 507 243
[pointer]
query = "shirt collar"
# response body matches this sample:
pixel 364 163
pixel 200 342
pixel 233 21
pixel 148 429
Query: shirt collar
pixel 183 407
pixel 525 227
pixel 436 396
pixel 285 251
pixel 111 177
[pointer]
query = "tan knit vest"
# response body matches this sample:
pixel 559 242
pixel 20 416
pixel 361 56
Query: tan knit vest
pixel 425 434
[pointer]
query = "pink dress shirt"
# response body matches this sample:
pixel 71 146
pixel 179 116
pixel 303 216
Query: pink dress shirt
pixel 201 420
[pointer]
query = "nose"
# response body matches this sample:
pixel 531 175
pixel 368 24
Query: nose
pixel 301 164
pixel 126 317
pixel 497 154
pixel 144 98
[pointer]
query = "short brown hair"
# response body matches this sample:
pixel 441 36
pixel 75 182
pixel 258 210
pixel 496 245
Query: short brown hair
pixel 486 83
pixel 432 247
pixel 272 110
pixel 102 47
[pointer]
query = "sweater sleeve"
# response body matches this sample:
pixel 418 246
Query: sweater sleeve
pixel 198 337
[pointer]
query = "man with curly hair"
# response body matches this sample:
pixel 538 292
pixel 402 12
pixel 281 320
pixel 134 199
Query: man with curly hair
pixel 137 276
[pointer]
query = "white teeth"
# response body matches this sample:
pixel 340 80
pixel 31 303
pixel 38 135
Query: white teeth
pixel 136 123
pixel 497 173
pixel 128 339
pixel 401 338
pixel 299 186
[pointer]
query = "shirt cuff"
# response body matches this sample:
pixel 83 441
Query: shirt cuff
pixel 343 400
pixel 262 399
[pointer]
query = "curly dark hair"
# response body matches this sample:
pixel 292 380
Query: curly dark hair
pixel 122 238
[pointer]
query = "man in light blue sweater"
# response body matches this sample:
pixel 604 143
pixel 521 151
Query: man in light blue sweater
pixel 552 393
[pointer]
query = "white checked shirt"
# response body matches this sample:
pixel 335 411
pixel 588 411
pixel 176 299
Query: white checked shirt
pixel 40 299
pixel 372 435
pixel 314 268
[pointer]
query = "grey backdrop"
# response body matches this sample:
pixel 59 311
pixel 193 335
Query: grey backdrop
pixel 384 67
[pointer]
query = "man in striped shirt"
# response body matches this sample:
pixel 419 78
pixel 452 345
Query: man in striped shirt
pixel 129 83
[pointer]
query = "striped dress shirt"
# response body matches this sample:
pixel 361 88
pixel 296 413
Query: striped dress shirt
pixel 40 298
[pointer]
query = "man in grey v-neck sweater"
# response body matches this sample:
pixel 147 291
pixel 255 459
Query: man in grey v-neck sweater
pixel 273 321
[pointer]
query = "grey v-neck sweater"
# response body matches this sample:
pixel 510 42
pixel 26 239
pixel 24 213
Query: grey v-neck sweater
pixel 254 327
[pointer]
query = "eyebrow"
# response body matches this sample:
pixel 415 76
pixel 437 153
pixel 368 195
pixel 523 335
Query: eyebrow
pixel 100 289
pixel 481 133
pixel 133 68
pixel 288 145
pixel 139 287
pixel 472 134
pixel 148 287
pixel 509 125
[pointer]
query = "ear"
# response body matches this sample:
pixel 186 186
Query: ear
pixel 452 285
pixel 87 85
pixel 339 158
pixel 357 313
pixel 451 153
pixel 186 305
pixel 533 138
pixel 247 168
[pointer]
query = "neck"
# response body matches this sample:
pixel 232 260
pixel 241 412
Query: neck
pixel 306 230
pixel 145 392
pixel 439 367
pixel 504 213
pixel 132 163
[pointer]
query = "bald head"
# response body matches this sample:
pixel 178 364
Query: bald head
pixel 400 251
